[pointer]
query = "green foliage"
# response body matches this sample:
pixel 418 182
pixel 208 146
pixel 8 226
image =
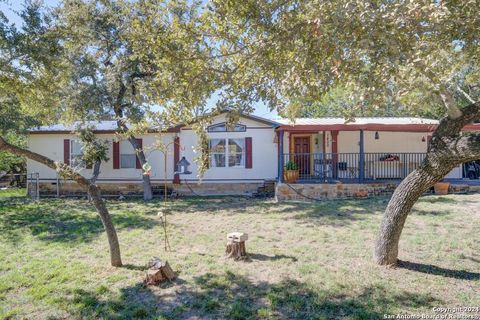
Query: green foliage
pixel 291 54
pixel 341 102
pixel 291 165
pixel 145 63
pixel 94 149
pixel 11 163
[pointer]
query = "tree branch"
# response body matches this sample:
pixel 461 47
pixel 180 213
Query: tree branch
pixel 57 166
pixel 91 188
pixel 466 95
pixel 449 129
pixel 449 102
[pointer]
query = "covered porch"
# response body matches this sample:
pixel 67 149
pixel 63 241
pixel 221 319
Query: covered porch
pixel 363 151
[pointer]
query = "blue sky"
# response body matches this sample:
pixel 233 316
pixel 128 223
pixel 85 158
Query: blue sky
pixel 11 7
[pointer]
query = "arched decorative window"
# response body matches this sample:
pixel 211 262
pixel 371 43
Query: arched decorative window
pixel 223 127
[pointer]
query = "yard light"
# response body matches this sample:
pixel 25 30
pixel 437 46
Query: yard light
pixel 182 166
pixel 377 136
pixel 147 169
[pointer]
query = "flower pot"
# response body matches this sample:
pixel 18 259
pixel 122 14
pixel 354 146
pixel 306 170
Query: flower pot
pixel 291 176
pixel 441 188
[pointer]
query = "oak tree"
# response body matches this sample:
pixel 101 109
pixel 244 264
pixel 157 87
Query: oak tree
pixel 419 55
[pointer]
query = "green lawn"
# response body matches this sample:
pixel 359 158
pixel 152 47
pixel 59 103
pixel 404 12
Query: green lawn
pixel 308 261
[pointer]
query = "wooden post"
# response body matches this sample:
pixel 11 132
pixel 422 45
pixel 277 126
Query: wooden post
pixel 236 246
pixel 361 172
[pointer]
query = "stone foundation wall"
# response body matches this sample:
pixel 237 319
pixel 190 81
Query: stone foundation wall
pixel 326 191
pixel 72 188
pixel 282 191
pixel 209 189
pixel 124 188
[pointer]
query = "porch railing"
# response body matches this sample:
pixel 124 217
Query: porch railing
pixel 353 166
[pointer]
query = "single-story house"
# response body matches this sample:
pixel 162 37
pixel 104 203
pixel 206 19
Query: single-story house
pixel 246 155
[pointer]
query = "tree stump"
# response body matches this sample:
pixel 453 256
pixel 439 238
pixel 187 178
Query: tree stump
pixel 158 272
pixel 236 246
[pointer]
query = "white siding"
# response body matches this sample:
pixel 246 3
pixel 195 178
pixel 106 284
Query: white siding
pixel 51 145
pixel 389 142
pixel 264 155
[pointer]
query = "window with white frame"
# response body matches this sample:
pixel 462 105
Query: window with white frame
pixel 128 157
pixel 236 152
pixel 76 154
pixel 218 151
pixel 227 152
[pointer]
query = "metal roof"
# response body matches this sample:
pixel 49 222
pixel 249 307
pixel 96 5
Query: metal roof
pixel 110 126
pixel 97 126
pixel 383 123
pixel 358 121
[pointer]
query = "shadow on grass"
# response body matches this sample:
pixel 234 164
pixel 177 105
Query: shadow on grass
pixel 61 220
pixel 432 212
pixel 231 296
pixel 438 271
pixel 339 212
pixel 263 257
pixel 454 198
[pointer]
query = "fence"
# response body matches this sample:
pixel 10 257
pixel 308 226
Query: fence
pixel 353 166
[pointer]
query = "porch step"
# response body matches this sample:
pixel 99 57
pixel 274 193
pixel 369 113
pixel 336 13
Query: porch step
pixel 267 190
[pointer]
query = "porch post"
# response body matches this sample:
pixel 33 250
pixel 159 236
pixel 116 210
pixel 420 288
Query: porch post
pixel 280 155
pixel 361 170
pixel 335 153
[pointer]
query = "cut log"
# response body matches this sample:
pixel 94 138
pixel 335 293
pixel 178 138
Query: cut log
pixel 236 246
pixel 158 272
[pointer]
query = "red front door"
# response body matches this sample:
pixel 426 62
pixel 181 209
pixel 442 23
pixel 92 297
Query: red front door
pixel 301 149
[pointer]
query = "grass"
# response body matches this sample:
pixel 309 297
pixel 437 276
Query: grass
pixel 12 193
pixel 308 261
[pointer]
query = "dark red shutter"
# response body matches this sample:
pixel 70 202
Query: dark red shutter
pixel 116 155
pixel 248 153
pixel 66 151
pixel 140 147
pixel 176 158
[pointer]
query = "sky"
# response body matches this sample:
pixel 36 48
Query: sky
pixel 11 8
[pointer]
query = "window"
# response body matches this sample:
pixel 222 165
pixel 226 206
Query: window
pixel 220 149
pixel 128 157
pixel 76 154
pixel 217 153
pixel 236 152
pixel 222 127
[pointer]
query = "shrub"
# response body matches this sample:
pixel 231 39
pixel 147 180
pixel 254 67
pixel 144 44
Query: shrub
pixel 291 165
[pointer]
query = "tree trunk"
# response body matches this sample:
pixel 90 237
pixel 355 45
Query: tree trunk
pixel 236 246
pixel 90 187
pixel 158 271
pixel 147 185
pixel 115 257
pixel 236 251
pixel 399 206
pixel 449 148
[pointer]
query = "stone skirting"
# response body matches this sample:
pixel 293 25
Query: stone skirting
pixel 132 188
pixel 210 189
pixel 283 192
pixel 72 188
pixel 330 191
